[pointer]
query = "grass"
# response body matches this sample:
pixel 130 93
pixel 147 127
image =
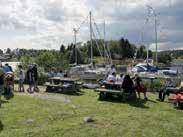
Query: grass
pixel 25 116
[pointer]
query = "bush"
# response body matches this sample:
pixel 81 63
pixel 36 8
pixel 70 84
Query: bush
pixel 43 77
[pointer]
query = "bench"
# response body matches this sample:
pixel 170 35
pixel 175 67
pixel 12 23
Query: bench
pixel 106 93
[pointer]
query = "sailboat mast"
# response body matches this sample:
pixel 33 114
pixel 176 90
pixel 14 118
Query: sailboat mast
pixel 91 43
pixel 104 42
pixel 75 43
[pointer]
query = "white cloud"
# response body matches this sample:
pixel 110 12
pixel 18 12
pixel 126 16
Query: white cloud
pixel 48 23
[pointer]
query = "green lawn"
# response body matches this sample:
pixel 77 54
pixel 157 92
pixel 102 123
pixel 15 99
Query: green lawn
pixel 26 116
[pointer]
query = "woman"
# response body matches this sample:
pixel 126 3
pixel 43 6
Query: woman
pixel 127 84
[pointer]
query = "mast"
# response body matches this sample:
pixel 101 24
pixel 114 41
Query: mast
pixel 104 42
pixel 156 38
pixel 75 43
pixel 91 39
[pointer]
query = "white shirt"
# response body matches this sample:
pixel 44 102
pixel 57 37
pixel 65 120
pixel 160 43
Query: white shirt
pixel 21 74
pixel 119 79
pixel 111 78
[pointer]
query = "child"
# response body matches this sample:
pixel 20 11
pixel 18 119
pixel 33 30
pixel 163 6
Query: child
pixel 139 86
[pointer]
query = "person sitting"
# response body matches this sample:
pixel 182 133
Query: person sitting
pixel 110 81
pixel 139 86
pixel 112 78
pixel 52 73
pixel 120 79
pixel 127 84
pixel 167 88
pixel 60 74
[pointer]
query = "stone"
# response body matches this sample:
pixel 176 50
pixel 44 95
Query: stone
pixel 88 119
pixel 30 121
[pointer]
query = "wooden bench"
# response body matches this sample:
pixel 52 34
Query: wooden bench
pixel 105 93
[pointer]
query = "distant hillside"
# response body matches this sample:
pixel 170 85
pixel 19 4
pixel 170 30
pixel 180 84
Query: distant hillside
pixel 174 53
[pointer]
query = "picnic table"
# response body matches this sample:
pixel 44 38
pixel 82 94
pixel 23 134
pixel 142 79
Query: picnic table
pixel 114 89
pixel 58 84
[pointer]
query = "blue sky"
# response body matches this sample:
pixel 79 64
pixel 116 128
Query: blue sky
pixel 45 24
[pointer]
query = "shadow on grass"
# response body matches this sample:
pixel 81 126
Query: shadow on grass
pixel 152 101
pixel 139 103
pixel 4 101
pixel 78 93
pixel 70 93
pixel 1 126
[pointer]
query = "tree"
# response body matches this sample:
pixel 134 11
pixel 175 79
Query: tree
pixel 80 56
pixel 62 48
pixel 164 58
pixel 8 51
pixel 127 49
pixel 1 52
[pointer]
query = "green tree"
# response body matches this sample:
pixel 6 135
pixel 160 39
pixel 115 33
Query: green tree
pixel 62 48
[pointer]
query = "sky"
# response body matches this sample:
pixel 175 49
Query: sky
pixel 46 24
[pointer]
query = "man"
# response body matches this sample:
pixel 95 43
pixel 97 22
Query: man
pixel 35 77
pixel 21 76
pixel 113 69
pixel 9 68
pixel 167 88
pixel 30 79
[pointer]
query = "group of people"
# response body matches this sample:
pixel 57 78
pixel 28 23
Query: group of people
pixel 54 73
pixel 127 83
pixel 135 83
pixel 31 76
pixel 169 87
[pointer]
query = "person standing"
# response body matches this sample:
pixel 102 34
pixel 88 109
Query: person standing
pixel 30 79
pixel 1 81
pixel 139 86
pixel 21 77
pixel 35 77
pixel 8 67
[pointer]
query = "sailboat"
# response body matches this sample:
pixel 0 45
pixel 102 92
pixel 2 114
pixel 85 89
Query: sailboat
pixel 88 72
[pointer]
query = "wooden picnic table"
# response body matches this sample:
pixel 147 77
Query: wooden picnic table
pixel 58 84
pixel 112 85
pixel 113 89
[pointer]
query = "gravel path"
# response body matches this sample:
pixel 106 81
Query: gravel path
pixel 47 96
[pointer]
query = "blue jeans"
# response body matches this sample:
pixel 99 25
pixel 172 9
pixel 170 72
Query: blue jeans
pixel 166 91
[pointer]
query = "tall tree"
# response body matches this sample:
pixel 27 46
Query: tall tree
pixel 62 48
pixel 8 50
pixel 1 52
